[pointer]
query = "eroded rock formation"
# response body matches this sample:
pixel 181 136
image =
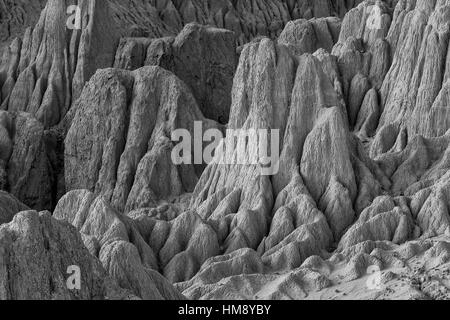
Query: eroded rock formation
pixel 27 163
pixel 360 100
pixel 35 254
pixel 121 137
pixel 247 19
pixel 202 57
pixel 150 18
pixel 115 240
pixel 44 73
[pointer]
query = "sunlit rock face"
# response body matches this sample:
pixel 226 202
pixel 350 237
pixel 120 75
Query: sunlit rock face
pixel 357 92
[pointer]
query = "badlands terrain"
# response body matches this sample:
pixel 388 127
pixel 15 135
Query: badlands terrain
pixel 89 102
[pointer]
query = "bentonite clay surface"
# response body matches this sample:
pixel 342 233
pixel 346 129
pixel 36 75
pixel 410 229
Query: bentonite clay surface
pixel 358 208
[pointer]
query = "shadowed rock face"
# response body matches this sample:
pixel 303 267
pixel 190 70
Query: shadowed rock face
pixel 358 91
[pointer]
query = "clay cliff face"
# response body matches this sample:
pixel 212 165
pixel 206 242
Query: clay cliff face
pixel 358 91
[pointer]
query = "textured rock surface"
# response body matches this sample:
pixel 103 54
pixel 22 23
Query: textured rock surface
pixel 203 57
pixel 35 254
pixel 9 206
pixel 397 196
pixel 150 18
pixel 248 19
pixel 417 270
pixel 116 241
pixel 121 137
pixel 356 207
